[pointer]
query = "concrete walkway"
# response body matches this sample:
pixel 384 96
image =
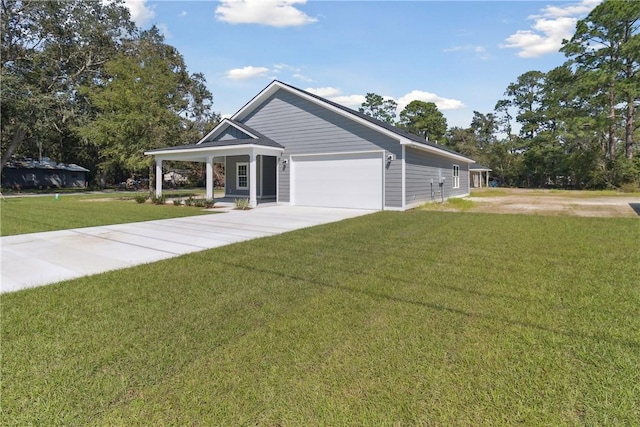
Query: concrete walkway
pixel 37 259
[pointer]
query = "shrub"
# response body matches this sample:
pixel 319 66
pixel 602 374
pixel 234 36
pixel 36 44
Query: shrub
pixel 158 200
pixel 141 198
pixel 629 187
pixel 198 203
pixel 177 202
pixel 189 201
pixel 242 204
pixel 209 203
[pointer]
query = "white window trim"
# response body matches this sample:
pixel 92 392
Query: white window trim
pixel 246 165
pixel 456 177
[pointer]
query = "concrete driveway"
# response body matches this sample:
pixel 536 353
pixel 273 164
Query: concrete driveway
pixel 38 259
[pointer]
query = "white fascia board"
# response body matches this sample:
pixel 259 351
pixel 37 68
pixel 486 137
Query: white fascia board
pixel 227 150
pixel 434 150
pixel 257 100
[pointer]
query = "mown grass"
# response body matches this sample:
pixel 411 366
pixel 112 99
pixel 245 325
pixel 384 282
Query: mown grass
pixel 454 203
pixel 415 318
pixel 20 215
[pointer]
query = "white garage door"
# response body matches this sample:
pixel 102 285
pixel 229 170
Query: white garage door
pixel 338 181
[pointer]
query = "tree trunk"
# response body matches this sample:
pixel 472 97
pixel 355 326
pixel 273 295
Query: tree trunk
pixel 103 179
pixel 611 141
pixel 628 130
pixel 16 141
pixel 152 179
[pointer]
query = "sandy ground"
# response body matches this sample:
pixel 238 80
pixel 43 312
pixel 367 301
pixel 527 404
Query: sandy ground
pixel 546 202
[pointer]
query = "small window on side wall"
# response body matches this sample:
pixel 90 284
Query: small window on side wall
pixel 456 176
pixel 242 176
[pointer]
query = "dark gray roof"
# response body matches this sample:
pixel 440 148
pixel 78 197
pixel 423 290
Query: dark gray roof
pixel 398 131
pixel 46 163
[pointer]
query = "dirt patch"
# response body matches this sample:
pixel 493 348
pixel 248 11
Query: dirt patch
pixel 540 202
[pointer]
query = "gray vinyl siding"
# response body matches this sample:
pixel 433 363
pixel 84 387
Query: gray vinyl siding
pixel 423 167
pixel 230 174
pixel 231 133
pixel 303 127
pixel 284 186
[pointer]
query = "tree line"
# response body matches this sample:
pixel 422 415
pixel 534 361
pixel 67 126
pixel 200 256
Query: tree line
pixel 578 123
pixel 82 84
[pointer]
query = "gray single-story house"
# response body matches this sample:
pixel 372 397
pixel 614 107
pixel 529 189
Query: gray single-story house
pixel 46 173
pixel 293 147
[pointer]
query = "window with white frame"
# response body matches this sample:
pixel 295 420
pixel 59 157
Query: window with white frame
pixel 242 176
pixel 456 176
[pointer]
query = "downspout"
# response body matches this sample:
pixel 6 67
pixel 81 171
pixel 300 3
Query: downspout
pixel 404 177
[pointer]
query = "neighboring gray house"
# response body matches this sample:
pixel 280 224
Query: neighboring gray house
pixel 294 147
pixel 43 174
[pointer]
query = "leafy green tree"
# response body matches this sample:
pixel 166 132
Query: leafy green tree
pixel 146 99
pixel 379 108
pixel 50 48
pixel 424 119
pixel 526 96
pixel 605 55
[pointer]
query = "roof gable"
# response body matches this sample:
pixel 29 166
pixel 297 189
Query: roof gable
pixel 402 136
pixel 224 125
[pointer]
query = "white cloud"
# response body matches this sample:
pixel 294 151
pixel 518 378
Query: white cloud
pixel 355 101
pixel 479 51
pixel 325 92
pixel 276 13
pixel 550 27
pixel 183 13
pixel 335 95
pixel 141 14
pixel 351 101
pixel 248 72
pixel 303 78
pixel 418 95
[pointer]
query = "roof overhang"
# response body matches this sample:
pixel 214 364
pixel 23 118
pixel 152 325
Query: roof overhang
pixel 434 150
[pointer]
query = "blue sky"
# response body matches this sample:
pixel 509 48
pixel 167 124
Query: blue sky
pixel 459 54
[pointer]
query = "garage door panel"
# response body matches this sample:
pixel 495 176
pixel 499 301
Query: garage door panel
pixel 350 181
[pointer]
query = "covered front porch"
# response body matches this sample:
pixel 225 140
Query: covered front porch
pixel 479 175
pixel 251 169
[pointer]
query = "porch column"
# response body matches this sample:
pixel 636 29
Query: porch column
pixel 209 178
pixel 253 181
pixel 158 177
pixel 487 179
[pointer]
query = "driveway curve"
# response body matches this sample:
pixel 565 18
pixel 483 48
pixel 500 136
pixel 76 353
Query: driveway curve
pixel 37 259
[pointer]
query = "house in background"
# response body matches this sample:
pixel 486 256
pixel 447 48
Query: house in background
pixel 28 173
pixel 479 175
pixel 293 147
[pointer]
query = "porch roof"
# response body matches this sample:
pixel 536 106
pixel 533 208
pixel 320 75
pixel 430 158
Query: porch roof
pixel 227 147
pixel 475 167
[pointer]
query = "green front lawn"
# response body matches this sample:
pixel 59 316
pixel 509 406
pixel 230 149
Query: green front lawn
pixel 392 319
pixel 20 215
